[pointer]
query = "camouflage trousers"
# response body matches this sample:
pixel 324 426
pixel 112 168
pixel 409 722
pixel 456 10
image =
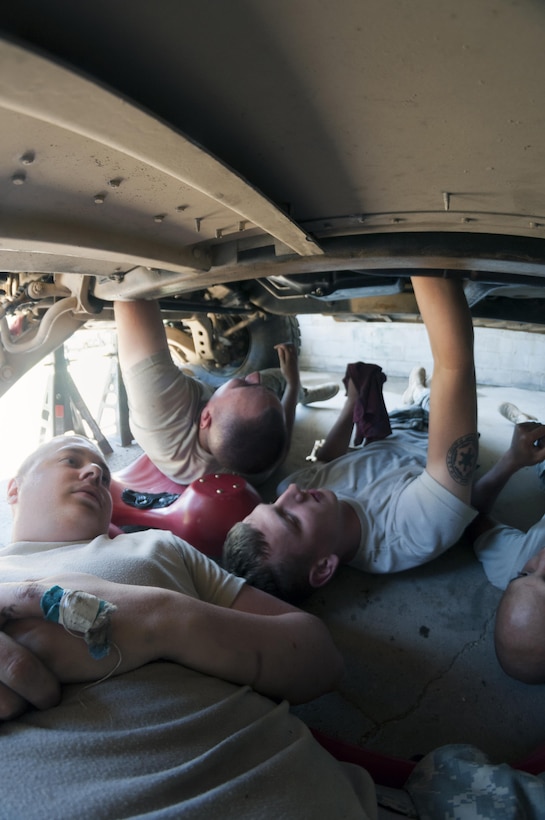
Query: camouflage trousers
pixel 459 782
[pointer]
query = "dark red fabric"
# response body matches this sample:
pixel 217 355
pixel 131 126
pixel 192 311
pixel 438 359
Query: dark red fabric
pixel 534 763
pixel 385 770
pixel 370 414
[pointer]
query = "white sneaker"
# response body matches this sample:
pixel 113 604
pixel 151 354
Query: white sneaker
pixel 417 381
pixel 512 413
pixel 321 392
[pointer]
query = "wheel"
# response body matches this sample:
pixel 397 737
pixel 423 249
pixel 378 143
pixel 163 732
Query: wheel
pixel 237 354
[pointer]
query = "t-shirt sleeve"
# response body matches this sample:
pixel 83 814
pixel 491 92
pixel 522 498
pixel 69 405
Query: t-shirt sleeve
pixel 503 550
pixel 211 582
pixel 164 407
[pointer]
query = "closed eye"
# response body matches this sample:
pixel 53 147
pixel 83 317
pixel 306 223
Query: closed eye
pixel 288 518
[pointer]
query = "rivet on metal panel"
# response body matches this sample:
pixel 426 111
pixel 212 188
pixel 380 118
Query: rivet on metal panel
pixel 28 157
pixel 19 179
pixel 181 208
pixel 115 183
pixel 219 233
pixel 446 200
pixel 466 219
pixel 396 219
pixel 242 224
pixel 159 217
pixel 99 199
pixel 219 491
pixel 533 224
pixel 198 221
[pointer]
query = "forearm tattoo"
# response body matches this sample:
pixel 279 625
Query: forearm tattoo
pixel 462 458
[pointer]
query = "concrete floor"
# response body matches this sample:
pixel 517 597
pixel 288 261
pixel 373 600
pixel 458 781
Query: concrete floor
pixel 420 664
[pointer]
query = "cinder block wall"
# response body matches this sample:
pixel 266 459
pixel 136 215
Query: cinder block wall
pixel 502 357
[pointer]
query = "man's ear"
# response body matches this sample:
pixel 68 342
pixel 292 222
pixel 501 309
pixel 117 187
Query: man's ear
pixel 205 418
pixel 13 491
pixel 323 570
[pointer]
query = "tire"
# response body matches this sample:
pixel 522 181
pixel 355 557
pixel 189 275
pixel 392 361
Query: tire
pixel 252 348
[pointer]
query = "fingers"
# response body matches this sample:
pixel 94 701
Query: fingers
pixel 531 426
pixel 286 351
pixel 20 600
pixel 529 431
pixel 24 680
pixel 528 442
pixel 287 355
pixel 11 704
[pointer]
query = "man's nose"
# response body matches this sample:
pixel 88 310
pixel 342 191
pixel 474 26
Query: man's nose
pixel 296 493
pixel 93 471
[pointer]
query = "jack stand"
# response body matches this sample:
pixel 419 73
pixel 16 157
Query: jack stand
pixel 64 408
pixel 114 397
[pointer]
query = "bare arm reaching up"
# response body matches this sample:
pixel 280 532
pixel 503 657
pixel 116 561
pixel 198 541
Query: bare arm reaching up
pixel 140 331
pixel 527 448
pixel 289 367
pixel 453 443
pixel 338 439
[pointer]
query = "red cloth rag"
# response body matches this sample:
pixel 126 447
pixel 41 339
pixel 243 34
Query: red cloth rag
pixel 370 414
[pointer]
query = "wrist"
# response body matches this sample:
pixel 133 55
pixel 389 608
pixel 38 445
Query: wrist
pixel 510 463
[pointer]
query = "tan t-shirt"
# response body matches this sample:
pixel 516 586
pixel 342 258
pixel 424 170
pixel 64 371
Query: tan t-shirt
pixel 165 406
pixel 165 741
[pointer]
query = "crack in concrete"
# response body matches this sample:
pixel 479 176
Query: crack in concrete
pixel 371 734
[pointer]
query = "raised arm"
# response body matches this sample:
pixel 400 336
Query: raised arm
pixel 453 445
pixel 526 449
pixel 338 439
pixel 289 367
pixel 260 641
pixel 140 331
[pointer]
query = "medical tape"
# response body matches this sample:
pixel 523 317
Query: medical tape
pixel 82 613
